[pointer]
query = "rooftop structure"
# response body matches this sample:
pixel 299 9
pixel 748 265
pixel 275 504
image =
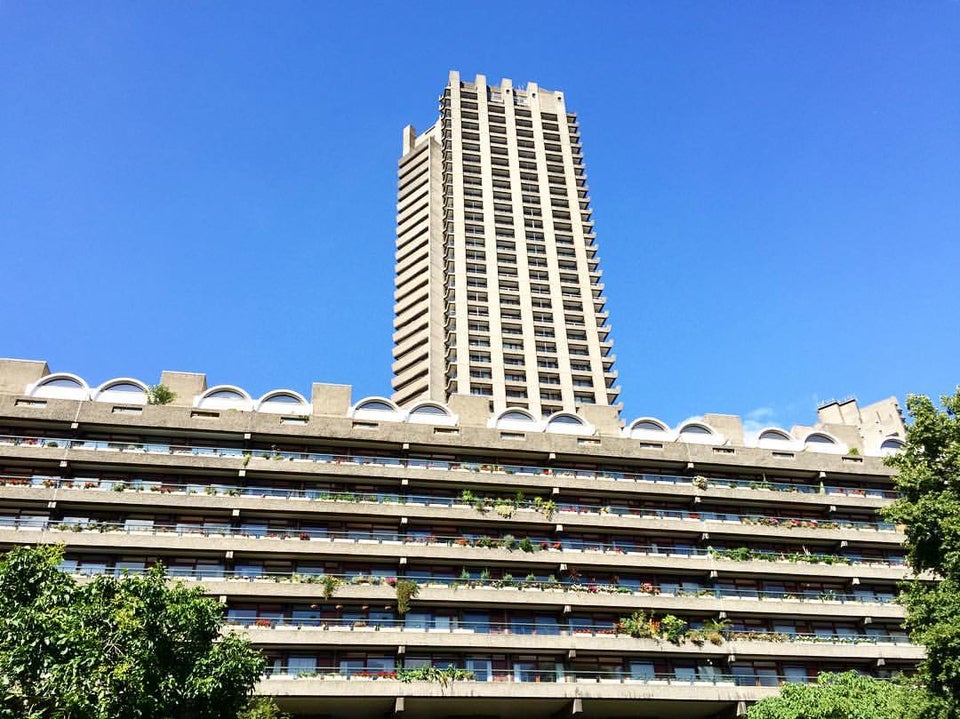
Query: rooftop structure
pixel 359 543
pixel 498 290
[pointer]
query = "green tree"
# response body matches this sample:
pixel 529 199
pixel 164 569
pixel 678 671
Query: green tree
pixel 928 479
pixel 160 394
pixel 843 696
pixel 134 647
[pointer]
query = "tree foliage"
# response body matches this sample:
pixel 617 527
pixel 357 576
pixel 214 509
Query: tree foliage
pixel 928 479
pixel 135 647
pixel 843 696
pixel 160 394
pixel 262 708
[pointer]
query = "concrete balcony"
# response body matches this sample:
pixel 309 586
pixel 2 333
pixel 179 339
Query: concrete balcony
pixel 589 697
pixel 327 636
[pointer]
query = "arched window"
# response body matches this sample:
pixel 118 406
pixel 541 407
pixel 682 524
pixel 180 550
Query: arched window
pixel 430 410
pixel 62 382
pixel 698 429
pixel 431 413
pixel 517 419
pixel 225 397
pixel 698 433
pixel 890 446
pixel 122 386
pixel 568 423
pixel 775 435
pixel 648 425
pixel 224 394
pixel 821 442
pixel 379 409
pixel 566 419
pixel 122 389
pixel 376 405
pixel 515 415
pixel 283 402
pixel 60 386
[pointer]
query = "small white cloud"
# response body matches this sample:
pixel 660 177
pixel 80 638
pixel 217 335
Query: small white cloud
pixel 757 419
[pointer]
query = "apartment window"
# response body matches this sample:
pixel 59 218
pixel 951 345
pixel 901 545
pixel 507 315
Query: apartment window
pixel 478 327
pixel 483 390
pixel 479 357
pixel 479 342
pixel 550 395
pixel 515 376
pixel 546 347
pixel 480 374
pixel 512 345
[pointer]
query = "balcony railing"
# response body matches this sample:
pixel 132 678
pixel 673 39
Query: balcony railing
pixel 680 678
pixel 402 463
pixel 406 499
pixel 509 543
pixel 532 629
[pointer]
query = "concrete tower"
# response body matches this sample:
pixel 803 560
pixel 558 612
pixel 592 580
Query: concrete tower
pixel 498 288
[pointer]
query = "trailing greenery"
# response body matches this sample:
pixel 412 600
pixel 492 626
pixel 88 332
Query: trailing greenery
pixel 928 479
pixel 406 590
pixel 160 394
pixel 442 675
pixel 506 506
pixel 746 554
pixel 134 647
pixel 329 585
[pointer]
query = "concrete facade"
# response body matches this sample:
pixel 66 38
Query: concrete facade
pixel 531 543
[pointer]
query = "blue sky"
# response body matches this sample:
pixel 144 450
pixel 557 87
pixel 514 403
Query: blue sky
pixel 210 187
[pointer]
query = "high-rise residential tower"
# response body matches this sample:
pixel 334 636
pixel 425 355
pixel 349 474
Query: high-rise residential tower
pixel 498 288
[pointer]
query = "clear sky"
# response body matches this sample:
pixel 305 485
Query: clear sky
pixel 210 187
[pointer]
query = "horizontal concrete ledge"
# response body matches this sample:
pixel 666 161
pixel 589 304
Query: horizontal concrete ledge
pixel 570 689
